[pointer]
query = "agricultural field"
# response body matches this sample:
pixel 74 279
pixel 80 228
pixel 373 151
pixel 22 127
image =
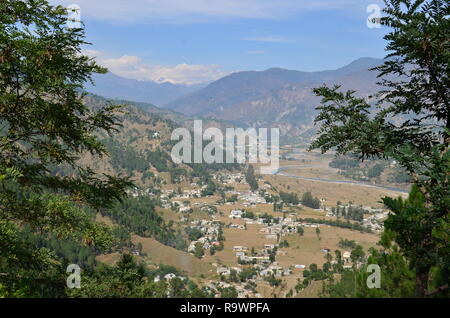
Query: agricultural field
pixel 156 253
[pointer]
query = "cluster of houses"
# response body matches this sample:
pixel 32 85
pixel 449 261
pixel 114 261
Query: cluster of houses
pixel 272 227
pixel 252 198
pixel 241 289
pixel 167 194
pixel 230 178
pixel 168 277
pixel 275 270
pixel 184 195
pixel 210 231
pixel 282 227
pixel 260 261
pixel 169 198
pixel 265 267
pixel 248 198
pixel 374 221
pixel 137 192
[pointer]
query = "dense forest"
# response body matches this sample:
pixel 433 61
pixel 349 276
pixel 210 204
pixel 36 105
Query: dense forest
pixel 138 215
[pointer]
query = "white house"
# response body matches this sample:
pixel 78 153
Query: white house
pixel 240 254
pixel 346 256
pixel 236 214
pixel 236 269
pixel 170 276
pixel 223 271
pixel 185 209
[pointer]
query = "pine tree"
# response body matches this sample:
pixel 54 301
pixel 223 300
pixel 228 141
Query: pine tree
pixel 44 124
pixel 415 77
pixel 251 179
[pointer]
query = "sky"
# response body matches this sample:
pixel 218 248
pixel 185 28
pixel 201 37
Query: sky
pixel 195 41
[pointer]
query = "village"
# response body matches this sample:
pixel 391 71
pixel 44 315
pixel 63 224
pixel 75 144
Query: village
pixel 216 223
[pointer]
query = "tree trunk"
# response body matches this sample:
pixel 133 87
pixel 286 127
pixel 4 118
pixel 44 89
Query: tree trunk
pixel 423 265
pixel 422 274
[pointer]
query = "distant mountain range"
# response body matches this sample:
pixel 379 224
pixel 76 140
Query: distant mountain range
pixel 112 86
pixel 272 98
pixel 275 97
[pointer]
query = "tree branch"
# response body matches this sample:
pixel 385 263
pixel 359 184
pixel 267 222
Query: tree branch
pixel 437 290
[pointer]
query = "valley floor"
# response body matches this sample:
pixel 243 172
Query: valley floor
pixel 249 238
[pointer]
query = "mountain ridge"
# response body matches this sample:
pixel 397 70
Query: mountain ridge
pixel 275 97
pixel 114 86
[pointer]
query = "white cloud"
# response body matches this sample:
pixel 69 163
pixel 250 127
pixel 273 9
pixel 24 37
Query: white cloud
pixel 188 74
pixel 133 67
pixel 148 11
pixel 92 53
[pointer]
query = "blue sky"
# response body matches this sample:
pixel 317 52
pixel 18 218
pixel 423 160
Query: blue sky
pixel 191 41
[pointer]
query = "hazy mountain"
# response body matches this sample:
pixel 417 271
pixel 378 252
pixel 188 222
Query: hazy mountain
pixel 274 97
pixel 112 86
pixel 178 119
pixel 141 147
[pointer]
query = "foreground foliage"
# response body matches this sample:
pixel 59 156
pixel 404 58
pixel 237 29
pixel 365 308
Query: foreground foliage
pixel 416 88
pixel 44 123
